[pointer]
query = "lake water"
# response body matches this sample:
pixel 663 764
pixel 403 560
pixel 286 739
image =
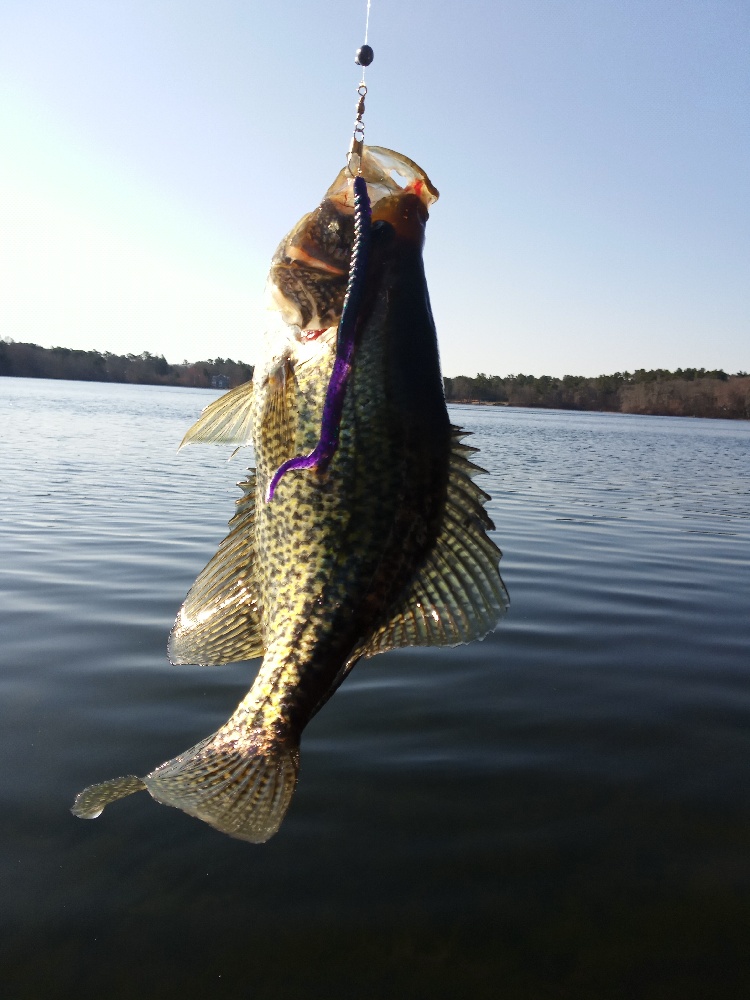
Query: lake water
pixel 560 811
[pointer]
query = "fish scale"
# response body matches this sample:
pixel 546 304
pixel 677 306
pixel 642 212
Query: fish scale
pixel 317 520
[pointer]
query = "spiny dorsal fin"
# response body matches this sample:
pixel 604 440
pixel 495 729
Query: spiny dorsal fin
pixel 228 420
pixel 458 594
pixel 219 621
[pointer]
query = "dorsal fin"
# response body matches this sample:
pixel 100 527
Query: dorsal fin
pixel 457 595
pixel 228 420
pixel 219 621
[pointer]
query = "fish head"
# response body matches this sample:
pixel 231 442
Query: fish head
pixel 309 271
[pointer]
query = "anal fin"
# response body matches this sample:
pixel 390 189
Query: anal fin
pixel 220 620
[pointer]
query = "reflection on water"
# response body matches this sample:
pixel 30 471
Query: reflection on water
pixel 558 811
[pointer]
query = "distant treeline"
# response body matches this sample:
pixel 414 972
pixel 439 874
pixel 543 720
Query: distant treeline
pixel 685 392
pixel 32 361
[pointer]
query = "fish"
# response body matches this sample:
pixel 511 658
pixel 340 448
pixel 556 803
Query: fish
pixel 386 546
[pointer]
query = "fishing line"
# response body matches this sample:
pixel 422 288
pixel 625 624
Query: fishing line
pixel 367 30
pixel 364 57
pixel 333 407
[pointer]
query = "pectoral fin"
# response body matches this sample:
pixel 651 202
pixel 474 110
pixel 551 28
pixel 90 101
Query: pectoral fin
pixel 278 415
pixel 228 420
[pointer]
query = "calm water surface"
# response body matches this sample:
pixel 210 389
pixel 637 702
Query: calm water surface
pixel 560 811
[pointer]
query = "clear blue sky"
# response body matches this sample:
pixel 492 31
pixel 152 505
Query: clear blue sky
pixel 593 159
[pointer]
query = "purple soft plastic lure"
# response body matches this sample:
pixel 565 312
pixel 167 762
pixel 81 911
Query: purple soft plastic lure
pixel 333 407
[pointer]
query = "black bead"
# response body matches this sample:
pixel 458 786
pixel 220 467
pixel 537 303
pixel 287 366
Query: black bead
pixel 364 56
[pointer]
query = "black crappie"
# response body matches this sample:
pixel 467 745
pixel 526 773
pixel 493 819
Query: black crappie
pixel 387 547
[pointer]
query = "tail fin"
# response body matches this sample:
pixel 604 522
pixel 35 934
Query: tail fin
pixel 241 783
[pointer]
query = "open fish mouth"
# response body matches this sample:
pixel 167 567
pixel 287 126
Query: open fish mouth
pixel 308 276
